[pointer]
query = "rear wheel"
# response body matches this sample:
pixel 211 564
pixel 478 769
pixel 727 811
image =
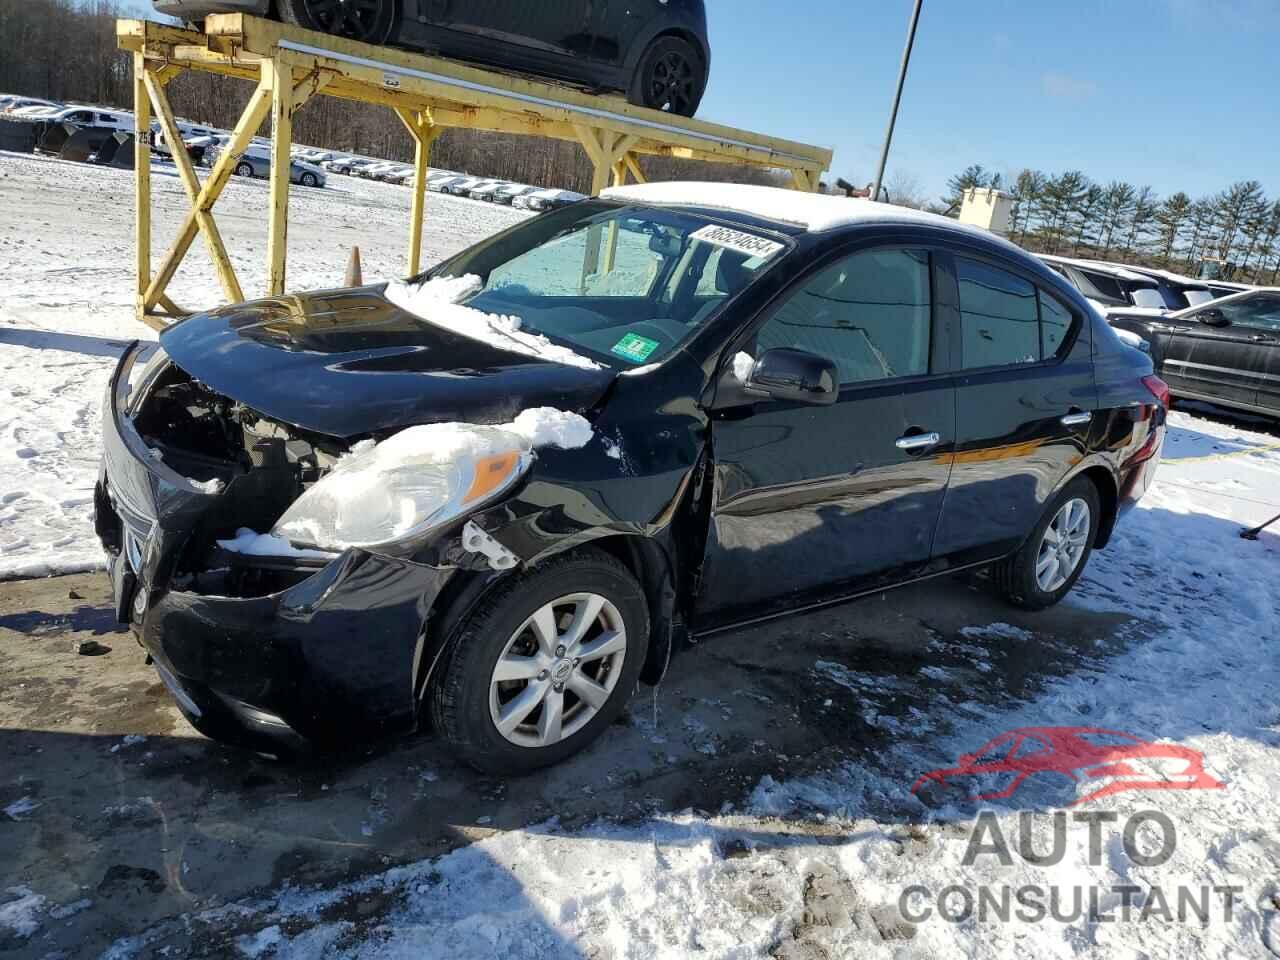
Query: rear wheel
pixel 543 666
pixel 1047 566
pixel 669 78
pixel 244 169
pixel 370 21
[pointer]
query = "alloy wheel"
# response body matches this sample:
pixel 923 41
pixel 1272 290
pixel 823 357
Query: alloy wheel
pixel 1063 545
pixel 357 19
pixel 558 670
pixel 671 83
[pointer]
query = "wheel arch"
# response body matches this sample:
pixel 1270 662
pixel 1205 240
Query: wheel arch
pixel 641 47
pixel 644 558
pixel 1104 481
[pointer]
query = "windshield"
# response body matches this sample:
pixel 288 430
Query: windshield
pixel 625 284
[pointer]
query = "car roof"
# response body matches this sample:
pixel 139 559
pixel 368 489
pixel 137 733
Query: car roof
pixel 812 212
pixel 1098 266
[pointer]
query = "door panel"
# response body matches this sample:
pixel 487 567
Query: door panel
pixel 1012 452
pixel 1013 448
pixel 1269 390
pixel 820 500
pixel 621 23
pixel 1217 363
pixel 559 28
pixel 811 502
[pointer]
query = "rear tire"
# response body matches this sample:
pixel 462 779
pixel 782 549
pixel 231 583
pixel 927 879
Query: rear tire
pixel 1051 560
pixel 670 77
pixel 369 21
pixel 526 630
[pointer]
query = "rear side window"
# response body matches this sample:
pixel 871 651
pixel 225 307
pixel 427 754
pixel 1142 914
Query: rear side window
pixel 1055 324
pixel 999 318
pixel 1101 287
pixel 869 313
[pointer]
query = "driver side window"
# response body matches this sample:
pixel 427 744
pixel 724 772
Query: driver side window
pixel 1260 311
pixel 869 313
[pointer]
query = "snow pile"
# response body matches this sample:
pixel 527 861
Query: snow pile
pixel 19 914
pixel 252 544
pixel 997 631
pixel 67 313
pixel 743 364
pixel 437 302
pixel 549 427
pixel 21 808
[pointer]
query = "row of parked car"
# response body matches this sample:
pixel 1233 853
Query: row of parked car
pixel 1209 340
pixel 449 182
pixel 308 167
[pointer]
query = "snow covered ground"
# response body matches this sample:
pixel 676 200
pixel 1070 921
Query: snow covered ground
pixel 66 311
pixel 804 867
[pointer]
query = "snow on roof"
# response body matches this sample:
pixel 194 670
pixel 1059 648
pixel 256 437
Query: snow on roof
pixel 1096 265
pixel 815 212
pixel 1180 279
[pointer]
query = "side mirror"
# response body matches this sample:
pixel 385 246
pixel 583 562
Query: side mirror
pixel 1213 317
pixel 796 375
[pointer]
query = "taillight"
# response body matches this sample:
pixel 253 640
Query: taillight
pixel 1159 389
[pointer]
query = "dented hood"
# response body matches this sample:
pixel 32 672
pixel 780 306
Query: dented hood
pixel 349 362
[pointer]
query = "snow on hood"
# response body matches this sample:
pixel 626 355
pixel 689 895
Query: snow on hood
pixel 437 302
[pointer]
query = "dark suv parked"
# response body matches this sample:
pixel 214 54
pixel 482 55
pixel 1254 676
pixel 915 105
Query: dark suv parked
pixel 502 494
pixel 655 51
pixel 1226 351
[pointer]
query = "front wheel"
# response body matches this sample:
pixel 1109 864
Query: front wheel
pixel 669 78
pixel 1047 566
pixel 308 180
pixel 370 21
pixel 543 666
pixel 244 169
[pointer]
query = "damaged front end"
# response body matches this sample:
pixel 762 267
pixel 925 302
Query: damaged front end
pixel 258 640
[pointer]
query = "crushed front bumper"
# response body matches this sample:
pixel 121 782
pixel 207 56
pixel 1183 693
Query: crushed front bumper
pixel 335 654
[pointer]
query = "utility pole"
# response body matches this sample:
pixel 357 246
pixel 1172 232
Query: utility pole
pixel 897 98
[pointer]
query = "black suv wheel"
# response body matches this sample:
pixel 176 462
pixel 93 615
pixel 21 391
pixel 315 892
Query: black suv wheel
pixel 669 78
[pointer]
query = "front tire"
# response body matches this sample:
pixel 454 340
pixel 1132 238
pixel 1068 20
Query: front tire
pixel 669 77
pixel 1047 566
pixel 543 665
pixel 369 21
pixel 244 169
pixel 308 180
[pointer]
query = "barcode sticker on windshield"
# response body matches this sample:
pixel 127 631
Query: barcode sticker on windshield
pixel 748 243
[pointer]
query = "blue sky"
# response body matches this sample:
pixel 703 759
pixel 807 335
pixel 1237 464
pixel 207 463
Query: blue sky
pixel 1178 94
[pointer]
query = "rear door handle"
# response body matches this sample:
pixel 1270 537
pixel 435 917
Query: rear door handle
pixel 1076 419
pixel 918 441
pixel 1262 338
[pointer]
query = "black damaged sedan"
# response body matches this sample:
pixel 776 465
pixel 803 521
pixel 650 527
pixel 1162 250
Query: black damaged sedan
pixel 494 499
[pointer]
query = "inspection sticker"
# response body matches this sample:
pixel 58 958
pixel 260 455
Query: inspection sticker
pixel 635 348
pixel 748 243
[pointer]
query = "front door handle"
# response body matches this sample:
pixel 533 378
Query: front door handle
pixel 918 441
pixel 1077 418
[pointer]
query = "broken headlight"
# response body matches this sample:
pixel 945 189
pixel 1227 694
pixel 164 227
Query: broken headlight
pixel 406 486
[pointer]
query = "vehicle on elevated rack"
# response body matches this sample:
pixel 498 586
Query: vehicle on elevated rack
pixel 654 51
pixel 1226 351
pixel 493 498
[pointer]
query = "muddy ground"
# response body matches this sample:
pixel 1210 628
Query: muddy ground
pixel 113 799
